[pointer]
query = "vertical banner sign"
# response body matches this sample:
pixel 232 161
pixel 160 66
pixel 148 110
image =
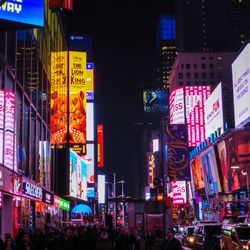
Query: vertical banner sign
pixel 59 99
pixel 90 81
pixel 77 101
pixel 100 145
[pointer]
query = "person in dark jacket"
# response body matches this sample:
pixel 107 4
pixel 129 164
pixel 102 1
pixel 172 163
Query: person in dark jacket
pixel 171 243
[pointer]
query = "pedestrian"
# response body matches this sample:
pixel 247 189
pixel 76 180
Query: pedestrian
pixel 171 243
pixel 25 242
pixel 8 243
pixel 104 243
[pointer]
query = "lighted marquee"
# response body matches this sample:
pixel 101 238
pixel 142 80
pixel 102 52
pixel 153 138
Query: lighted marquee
pixel 7 129
pixel 90 81
pixel 23 11
pixel 179 192
pixel 100 146
pixel 78 177
pixel 241 87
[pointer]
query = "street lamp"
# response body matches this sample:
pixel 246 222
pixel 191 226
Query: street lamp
pixel 244 172
pixel 122 196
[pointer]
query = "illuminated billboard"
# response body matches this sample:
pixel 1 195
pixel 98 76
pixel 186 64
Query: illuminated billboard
pixel 155 100
pixel 100 146
pixel 90 121
pixel 59 97
pixel 89 159
pixel 7 129
pixel 28 12
pixel 90 81
pixel 179 192
pixel 196 173
pixel 241 87
pixel 101 189
pixel 77 101
pixel 176 106
pixel 78 177
pixel 214 112
pixel 210 171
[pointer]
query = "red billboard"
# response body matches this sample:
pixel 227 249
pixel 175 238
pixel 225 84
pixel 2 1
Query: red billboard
pixel 100 146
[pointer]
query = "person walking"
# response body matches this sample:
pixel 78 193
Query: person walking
pixel 171 243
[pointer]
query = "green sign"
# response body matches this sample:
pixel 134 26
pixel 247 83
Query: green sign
pixel 64 205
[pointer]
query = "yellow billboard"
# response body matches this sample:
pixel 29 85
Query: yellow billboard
pixel 77 100
pixel 90 81
pixel 59 100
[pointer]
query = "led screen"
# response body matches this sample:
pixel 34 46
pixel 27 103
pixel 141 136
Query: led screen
pixel 176 106
pixel 78 176
pixel 90 81
pixel 155 145
pixel 77 100
pixel 101 189
pixel 179 192
pixel 210 171
pixel 196 173
pixel 59 99
pixel 89 159
pixel 23 11
pixel 241 87
pixel 7 129
pixel 90 121
pixel 214 112
pixel 100 146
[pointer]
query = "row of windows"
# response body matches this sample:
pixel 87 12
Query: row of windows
pixel 196 83
pixel 202 75
pixel 195 66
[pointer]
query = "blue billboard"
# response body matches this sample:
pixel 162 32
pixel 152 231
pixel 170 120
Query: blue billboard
pixel 29 12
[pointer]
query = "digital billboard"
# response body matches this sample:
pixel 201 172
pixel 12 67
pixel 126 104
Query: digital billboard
pixel 100 146
pixel 214 112
pixel 156 100
pixel 90 81
pixel 210 171
pixel 59 97
pixel 77 101
pixel 195 96
pixel 78 176
pixel 90 121
pixel 27 12
pixel 196 173
pixel 101 189
pixel 7 129
pixel 89 159
pixel 179 192
pixel 241 87
pixel 176 106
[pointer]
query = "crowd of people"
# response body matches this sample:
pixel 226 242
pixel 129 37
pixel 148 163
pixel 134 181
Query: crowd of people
pixel 90 238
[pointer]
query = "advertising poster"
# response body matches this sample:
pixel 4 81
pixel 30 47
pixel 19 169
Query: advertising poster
pixel 197 175
pixel 77 101
pixel 28 12
pixel 90 81
pixel 210 171
pixel 89 159
pixel 224 165
pixel 176 106
pixel 78 177
pixel 241 87
pixel 59 99
pixel 178 161
pixel 100 146
pixel 179 192
pixel 214 112
pixel 156 100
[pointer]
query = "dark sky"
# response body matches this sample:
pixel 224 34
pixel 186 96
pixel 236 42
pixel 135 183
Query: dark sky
pixel 124 48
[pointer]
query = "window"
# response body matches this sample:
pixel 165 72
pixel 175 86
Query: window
pixel 180 83
pixel 203 66
pixel 211 75
pixel 188 75
pixel 195 66
pixel 180 75
pixel 189 83
pixel 204 75
pixel 196 75
pixel 187 66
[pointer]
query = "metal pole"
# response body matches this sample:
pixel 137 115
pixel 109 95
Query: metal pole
pixel 114 191
pixel 247 186
pixel 123 210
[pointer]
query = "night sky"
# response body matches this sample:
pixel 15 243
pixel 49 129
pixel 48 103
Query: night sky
pixel 124 50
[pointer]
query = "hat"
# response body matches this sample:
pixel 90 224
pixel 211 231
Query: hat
pixel 104 235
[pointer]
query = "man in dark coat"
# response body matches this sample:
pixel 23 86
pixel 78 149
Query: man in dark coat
pixel 171 243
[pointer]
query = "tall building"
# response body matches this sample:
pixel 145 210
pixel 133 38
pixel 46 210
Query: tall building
pixel 212 25
pixel 166 48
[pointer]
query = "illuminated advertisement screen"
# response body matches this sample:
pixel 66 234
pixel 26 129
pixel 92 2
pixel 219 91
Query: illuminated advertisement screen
pixel 195 96
pixel 176 106
pixel 78 177
pixel 241 87
pixel 210 171
pixel 77 101
pixel 196 173
pixel 89 159
pixel 151 169
pixel 23 11
pixel 179 192
pixel 59 97
pixel 91 193
pixel 7 129
pixel 90 121
pixel 100 146
pixel 214 112
pixel 155 101
pixel 90 81
pixel 101 189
